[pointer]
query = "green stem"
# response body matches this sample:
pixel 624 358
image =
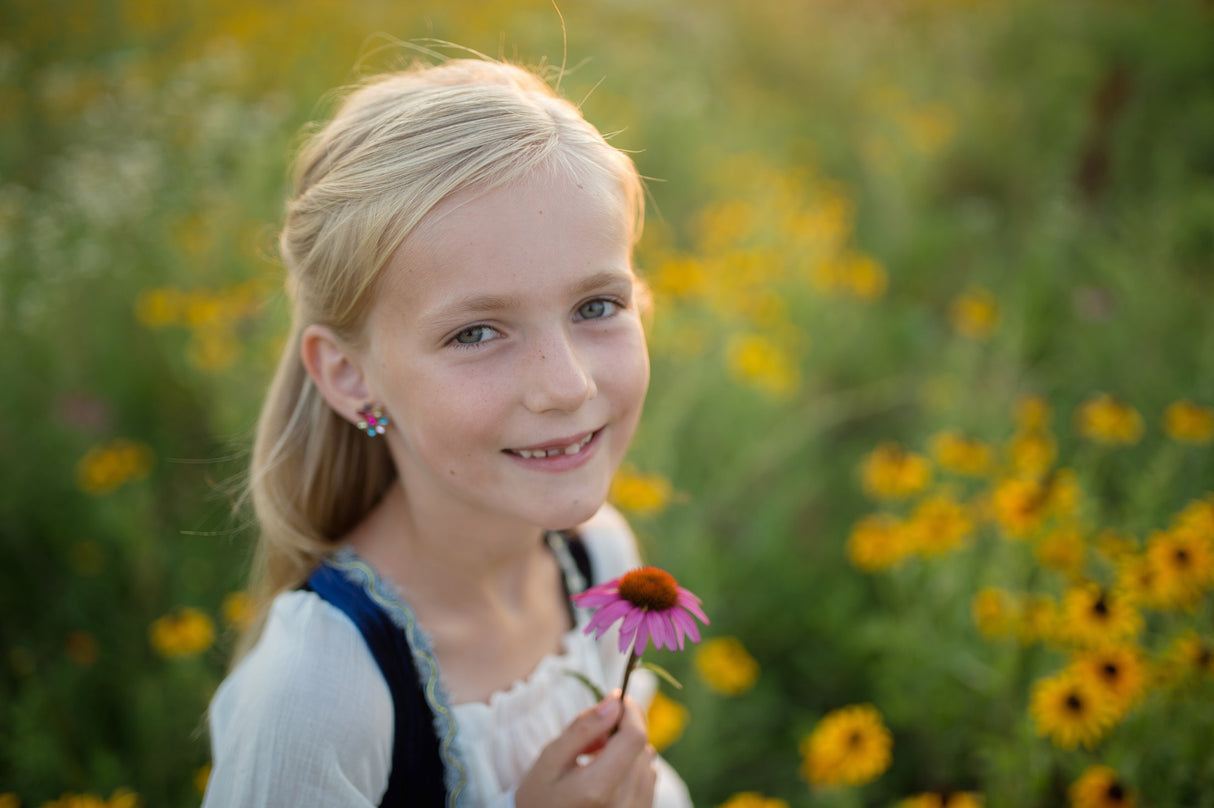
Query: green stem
pixel 633 657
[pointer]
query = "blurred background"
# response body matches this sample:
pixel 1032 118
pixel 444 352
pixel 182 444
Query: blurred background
pixel 931 414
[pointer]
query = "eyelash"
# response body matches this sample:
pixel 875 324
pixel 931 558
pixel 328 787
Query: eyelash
pixel 455 343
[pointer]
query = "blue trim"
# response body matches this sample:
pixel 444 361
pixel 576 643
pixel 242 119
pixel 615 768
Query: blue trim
pixel 385 597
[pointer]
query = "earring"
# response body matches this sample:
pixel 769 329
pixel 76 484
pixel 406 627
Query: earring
pixel 373 419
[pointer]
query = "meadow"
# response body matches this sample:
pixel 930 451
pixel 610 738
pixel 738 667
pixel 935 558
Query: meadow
pixel 932 408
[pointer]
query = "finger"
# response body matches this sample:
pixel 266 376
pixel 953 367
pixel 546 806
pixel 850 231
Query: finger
pixel 586 733
pixel 618 756
pixel 642 780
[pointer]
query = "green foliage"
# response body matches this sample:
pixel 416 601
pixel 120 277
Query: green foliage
pixel 835 174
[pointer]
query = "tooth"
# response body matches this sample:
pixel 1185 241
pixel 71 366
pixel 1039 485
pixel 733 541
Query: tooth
pixel 574 449
pixel 524 453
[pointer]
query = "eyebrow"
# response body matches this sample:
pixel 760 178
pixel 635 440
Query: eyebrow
pixel 492 303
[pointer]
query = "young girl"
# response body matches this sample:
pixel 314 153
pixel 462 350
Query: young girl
pixel 464 372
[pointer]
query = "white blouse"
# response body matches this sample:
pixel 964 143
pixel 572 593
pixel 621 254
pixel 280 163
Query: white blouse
pixel 306 718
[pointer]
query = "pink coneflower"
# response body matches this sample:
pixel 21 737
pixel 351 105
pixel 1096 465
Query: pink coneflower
pixel 652 605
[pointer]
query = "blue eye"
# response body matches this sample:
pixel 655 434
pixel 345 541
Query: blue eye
pixel 597 309
pixel 474 335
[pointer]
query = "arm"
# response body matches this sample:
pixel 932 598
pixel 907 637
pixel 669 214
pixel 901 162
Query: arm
pixel 306 719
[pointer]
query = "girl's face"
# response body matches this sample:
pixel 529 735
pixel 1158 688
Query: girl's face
pixel 508 351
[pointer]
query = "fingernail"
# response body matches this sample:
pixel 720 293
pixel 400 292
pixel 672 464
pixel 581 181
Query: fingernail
pixel 607 708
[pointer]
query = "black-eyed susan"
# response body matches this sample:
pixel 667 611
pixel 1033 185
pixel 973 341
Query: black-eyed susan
pixel 1093 615
pixel 959 454
pixel 667 720
pixel 1183 560
pixel 891 472
pixel 1118 671
pixel 1197 516
pixel 1187 422
pixel 752 799
pixel 939 524
pixel 726 666
pixel 1070 710
pixel 1100 787
pixel 877 542
pixel 1189 655
pixel 1105 419
pixel 850 746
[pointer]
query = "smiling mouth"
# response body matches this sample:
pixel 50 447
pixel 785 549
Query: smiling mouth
pixel 552 450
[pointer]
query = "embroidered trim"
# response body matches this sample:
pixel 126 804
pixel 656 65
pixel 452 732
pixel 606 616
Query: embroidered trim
pixel 362 574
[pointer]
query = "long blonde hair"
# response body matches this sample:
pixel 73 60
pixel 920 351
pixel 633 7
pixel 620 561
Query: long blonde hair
pixel 399 144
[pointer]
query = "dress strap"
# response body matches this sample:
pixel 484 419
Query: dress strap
pixel 417 767
pixel 577 574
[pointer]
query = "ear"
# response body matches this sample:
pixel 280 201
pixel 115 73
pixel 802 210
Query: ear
pixel 335 370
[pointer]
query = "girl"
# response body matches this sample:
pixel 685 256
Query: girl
pixel 465 370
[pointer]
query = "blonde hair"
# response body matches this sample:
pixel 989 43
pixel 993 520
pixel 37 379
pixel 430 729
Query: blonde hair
pixel 398 145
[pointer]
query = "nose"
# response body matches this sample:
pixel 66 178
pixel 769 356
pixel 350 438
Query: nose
pixel 558 376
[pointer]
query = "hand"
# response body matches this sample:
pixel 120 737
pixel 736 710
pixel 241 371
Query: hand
pixel 620 775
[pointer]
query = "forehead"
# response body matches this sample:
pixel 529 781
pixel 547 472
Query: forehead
pixel 546 228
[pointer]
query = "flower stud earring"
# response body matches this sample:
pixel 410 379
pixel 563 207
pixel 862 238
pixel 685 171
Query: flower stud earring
pixel 372 419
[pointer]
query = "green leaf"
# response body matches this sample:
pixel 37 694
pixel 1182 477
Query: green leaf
pixel 663 673
pixel 599 695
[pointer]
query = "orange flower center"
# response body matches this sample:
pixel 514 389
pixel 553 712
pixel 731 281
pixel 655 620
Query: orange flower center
pixel 650 588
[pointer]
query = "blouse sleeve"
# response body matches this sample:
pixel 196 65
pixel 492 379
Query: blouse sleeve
pixel 305 719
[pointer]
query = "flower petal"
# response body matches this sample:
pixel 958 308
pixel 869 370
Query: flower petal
pixel 685 625
pixel 642 636
pixel 693 605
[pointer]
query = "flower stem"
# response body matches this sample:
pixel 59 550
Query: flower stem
pixel 633 659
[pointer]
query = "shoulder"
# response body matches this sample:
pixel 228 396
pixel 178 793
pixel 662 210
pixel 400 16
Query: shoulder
pixel 307 708
pixel 611 544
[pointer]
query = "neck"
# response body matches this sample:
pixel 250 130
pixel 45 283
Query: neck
pixel 453 564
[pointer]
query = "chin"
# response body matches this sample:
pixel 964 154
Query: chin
pixel 573 514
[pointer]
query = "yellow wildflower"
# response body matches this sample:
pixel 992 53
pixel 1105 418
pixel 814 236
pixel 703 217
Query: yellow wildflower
pixel 955 452
pixel 756 360
pixel 157 308
pixel 864 277
pixel 106 467
pixel 1032 413
pixel 638 493
pixel 1039 620
pixel 238 610
pixel 185 633
pixel 938 525
pixel 1183 561
pixel 1197 517
pixel 752 799
pixel 946 799
pixel 1118 671
pixel 877 542
pixel 1062 549
pixel 974 314
pixel 892 472
pixel 202 775
pixel 1104 419
pixel 994 612
pixel 1019 505
pixel 1093 616
pixel 1070 711
pixel 9 800
pixel 726 666
pixel 1100 787
pixel 1032 452
pixel 848 747
pixel 679 277
pixel 667 720
pixel 1187 422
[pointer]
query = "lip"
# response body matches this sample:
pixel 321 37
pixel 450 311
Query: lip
pixel 560 462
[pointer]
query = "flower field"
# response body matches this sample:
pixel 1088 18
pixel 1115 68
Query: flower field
pixel 931 425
